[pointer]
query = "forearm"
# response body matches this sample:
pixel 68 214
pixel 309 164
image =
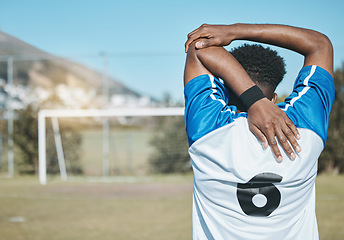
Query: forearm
pixel 223 65
pixel 314 46
pixel 299 40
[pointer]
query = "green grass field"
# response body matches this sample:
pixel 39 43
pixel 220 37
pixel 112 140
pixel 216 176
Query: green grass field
pixel 123 207
pixel 330 206
pixel 146 207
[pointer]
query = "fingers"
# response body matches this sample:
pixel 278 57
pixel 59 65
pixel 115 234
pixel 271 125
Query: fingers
pixel 292 127
pixel 187 44
pixel 287 140
pixel 274 133
pixel 283 140
pixel 203 43
pixel 271 140
pixel 194 35
pixel 199 44
pixel 274 146
pixel 196 30
pixel 276 126
pixel 259 135
pixel 292 136
pixel 191 37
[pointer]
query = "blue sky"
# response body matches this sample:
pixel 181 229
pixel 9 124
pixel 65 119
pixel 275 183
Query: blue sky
pixel 145 39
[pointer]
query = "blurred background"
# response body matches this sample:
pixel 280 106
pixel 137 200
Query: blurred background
pixel 85 54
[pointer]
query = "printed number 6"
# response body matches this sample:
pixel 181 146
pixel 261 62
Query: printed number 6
pixel 259 197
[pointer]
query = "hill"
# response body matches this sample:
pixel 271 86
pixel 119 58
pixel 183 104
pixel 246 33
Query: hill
pixel 45 75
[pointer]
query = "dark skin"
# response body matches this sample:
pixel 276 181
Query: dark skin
pixel 205 55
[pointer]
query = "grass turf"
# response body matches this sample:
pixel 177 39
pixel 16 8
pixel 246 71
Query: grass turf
pixel 125 208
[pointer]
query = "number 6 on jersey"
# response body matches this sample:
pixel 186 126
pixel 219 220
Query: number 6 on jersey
pixel 259 196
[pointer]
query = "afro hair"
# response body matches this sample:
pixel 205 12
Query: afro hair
pixel 264 66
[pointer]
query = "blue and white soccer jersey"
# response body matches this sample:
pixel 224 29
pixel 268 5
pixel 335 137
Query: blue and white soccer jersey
pixel 240 190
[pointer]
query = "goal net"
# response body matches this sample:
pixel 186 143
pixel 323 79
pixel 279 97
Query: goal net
pixel 131 141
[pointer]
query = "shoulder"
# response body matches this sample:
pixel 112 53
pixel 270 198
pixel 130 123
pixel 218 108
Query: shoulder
pixel 309 105
pixel 206 106
pixel 314 75
pixel 202 83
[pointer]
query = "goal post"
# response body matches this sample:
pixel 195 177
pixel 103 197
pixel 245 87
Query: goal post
pixel 80 113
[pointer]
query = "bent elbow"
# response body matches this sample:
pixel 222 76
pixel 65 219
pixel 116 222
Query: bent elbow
pixel 320 52
pixel 325 44
pixel 321 45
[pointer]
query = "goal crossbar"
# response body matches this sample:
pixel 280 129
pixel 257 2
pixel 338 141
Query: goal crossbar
pixel 75 113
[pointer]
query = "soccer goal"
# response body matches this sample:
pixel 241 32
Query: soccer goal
pixel 104 116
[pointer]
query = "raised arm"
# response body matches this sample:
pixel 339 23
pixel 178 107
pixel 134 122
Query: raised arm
pixel 314 46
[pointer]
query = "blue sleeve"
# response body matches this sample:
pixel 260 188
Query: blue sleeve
pixel 206 107
pixel 309 105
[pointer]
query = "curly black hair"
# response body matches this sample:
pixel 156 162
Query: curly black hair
pixel 264 65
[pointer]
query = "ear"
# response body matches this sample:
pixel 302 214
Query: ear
pixel 274 98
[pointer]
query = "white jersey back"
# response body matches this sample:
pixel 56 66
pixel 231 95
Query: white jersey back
pixel 242 192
